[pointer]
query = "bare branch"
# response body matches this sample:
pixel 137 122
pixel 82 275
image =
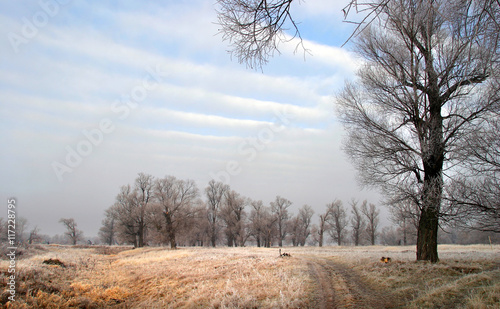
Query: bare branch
pixel 255 28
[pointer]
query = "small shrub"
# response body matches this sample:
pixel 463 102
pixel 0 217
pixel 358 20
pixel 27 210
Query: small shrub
pixel 54 262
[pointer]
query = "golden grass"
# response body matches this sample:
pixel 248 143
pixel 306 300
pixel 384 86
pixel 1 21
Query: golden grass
pixel 467 276
pixel 161 278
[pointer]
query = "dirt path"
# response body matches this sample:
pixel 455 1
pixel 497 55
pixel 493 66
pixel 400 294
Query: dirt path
pixel 339 287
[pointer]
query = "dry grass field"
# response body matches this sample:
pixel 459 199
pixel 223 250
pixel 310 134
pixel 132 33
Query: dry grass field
pixel 331 277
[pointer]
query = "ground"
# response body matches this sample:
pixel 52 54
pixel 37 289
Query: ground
pixel 337 286
pixel 330 277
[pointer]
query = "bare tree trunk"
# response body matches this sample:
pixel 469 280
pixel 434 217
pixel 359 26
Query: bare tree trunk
pixel 280 209
pixel 140 236
pixel 258 238
pixel 432 159
pixel 215 193
pixel 230 240
pixel 428 225
pixel 268 239
pixel 322 226
pixel 357 222
pixel 337 221
pixel 170 230
pixel 404 232
pixel 213 236
pixel 321 232
pixel 427 236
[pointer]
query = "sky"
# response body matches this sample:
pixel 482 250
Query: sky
pixel 91 94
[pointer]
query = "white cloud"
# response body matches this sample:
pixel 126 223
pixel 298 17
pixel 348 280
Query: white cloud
pixel 200 116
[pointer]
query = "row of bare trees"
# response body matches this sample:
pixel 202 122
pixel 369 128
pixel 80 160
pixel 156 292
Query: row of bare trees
pixel 28 235
pixel 23 234
pixel 150 207
pixel 359 228
pixel 172 211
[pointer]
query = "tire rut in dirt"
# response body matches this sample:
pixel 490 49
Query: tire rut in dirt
pixel 324 293
pixel 339 287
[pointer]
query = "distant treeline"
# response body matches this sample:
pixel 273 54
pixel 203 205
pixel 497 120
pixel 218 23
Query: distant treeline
pixel 171 211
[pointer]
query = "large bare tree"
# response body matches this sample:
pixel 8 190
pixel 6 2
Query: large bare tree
pixel 233 214
pixel 126 212
pixel 371 214
pixel 107 232
pixel 175 197
pixel 72 232
pixel 262 224
pixel 424 86
pixel 196 230
pixel 143 193
pixel 270 227
pixel 132 210
pixel 430 74
pixel 337 222
pixel 300 226
pixel 323 225
pixel 215 192
pixel 257 218
pixel 34 235
pixel 358 223
pixel 280 210
pixel 305 215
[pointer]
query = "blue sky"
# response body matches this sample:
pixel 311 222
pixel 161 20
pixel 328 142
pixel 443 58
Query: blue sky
pixel 93 94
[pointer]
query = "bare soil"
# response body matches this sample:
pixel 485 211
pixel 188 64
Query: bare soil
pixel 338 286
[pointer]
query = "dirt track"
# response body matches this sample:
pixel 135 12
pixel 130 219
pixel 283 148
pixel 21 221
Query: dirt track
pixel 339 287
